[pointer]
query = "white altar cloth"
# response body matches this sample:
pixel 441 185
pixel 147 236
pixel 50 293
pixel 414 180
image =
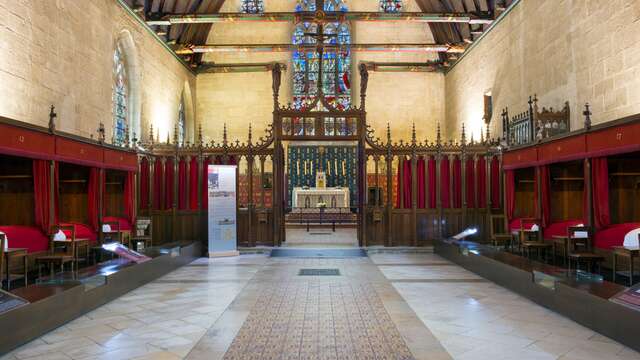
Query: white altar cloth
pixel 312 196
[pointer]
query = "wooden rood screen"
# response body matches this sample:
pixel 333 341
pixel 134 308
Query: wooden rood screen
pixel 408 193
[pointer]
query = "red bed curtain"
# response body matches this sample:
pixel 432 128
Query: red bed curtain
pixel 481 182
pixel 129 197
pixel 205 182
pixel 510 193
pixel 495 182
pixel 470 192
pixel 193 184
pixel 158 191
pixel 168 184
pixel 545 194
pixel 182 184
pixel 445 189
pixel 457 182
pixel 144 183
pixel 431 168
pixel 42 194
pixel 420 167
pixel 93 197
pixel 600 188
pixel 406 184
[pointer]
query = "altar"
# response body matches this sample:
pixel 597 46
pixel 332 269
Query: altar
pixel 333 197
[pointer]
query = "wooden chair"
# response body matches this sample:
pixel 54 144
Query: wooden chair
pixel 526 235
pixel 532 240
pixel 146 235
pixel 55 257
pixel 115 234
pixel 581 248
pixel 5 263
pixel 498 231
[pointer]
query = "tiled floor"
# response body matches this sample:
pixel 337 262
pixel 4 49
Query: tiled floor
pixel 215 307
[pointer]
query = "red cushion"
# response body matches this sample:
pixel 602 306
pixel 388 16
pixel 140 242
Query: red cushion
pixel 124 223
pixel 29 237
pixel 515 224
pixel 82 231
pixel 559 228
pixel 613 235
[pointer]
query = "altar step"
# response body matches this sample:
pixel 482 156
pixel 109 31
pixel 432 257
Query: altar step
pixel 318 253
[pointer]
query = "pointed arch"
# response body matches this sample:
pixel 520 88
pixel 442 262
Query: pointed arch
pixel 126 89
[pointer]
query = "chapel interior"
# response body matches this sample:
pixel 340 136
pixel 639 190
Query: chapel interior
pixel 319 179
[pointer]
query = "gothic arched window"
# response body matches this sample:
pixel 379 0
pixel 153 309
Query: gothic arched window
pixel 390 6
pixel 252 7
pixel 120 98
pixel 182 125
pixel 336 60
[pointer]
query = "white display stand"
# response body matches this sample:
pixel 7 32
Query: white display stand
pixel 221 185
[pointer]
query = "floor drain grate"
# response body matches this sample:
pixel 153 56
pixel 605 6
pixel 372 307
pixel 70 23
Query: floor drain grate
pixel 319 272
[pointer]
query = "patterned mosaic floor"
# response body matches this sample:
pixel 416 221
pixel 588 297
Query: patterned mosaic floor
pixel 319 320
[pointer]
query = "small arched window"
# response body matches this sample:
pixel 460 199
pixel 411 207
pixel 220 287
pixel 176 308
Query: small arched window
pixel 390 6
pixel 252 7
pixel 120 98
pixel 182 124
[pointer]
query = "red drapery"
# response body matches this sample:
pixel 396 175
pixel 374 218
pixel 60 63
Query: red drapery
pixel 129 197
pixel 182 184
pixel 457 182
pixel 510 193
pixel 93 197
pixel 431 168
pixel 445 189
pixel 481 182
pixel 495 182
pixel 471 185
pixel 205 182
pixel 406 184
pixel 144 183
pixel 158 191
pixel 169 171
pixel 42 194
pixel 193 184
pixel 420 167
pixel 545 194
pixel 600 188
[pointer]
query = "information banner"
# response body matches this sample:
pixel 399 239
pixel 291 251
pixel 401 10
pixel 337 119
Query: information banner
pixel 221 182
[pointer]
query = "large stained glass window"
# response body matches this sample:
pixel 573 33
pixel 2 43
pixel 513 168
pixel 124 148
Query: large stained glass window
pixel 390 6
pixel 120 98
pixel 182 127
pixel 252 7
pixel 336 60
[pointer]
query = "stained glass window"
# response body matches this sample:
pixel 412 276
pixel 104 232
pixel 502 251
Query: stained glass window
pixel 252 7
pixel 336 61
pixel 120 98
pixel 390 6
pixel 181 123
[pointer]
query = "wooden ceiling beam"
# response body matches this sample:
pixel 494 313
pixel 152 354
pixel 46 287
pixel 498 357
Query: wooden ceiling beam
pixel 211 18
pixel 211 48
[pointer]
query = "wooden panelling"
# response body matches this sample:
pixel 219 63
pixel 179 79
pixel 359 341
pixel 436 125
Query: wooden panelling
pixel 16 191
pixel 567 191
pixel 426 226
pixel 376 230
pixel 113 202
pixel 24 142
pixel 79 152
pixel 624 188
pixel 617 139
pixel 520 158
pixel 73 199
pixel 565 149
pixel 525 196
pixel 120 160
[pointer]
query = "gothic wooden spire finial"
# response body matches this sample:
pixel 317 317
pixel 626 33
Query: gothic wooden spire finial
pixel 168 137
pixel 151 133
pixel 101 133
pixel 413 134
pixel 52 119
pixel 175 134
pixel 127 137
pixel 488 136
pixel 388 134
pixel 438 136
pixel 250 135
pixel 587 116
pixel 463 136
pixel 224 135
pixel 199 134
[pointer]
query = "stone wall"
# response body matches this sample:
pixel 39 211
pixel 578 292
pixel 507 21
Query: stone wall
pixel 61 53
pixel 562 50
